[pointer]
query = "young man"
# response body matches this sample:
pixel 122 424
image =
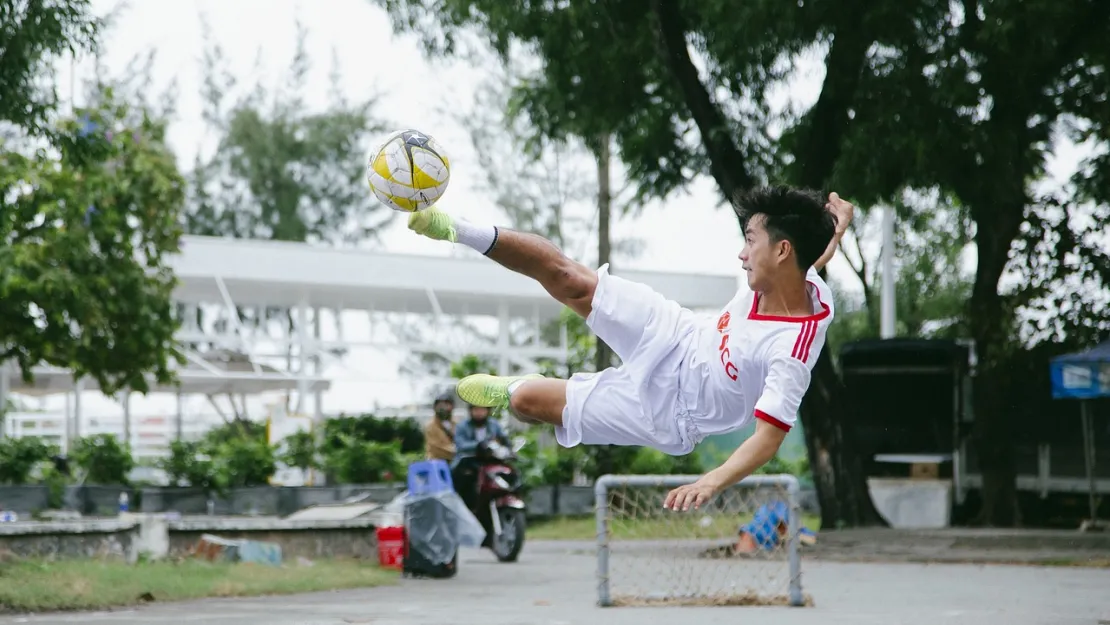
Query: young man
pixel 682 378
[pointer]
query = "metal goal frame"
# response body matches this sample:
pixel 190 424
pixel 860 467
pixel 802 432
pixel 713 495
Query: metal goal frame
pixel 605 483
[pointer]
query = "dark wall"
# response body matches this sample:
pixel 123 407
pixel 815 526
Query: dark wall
pixel 904 396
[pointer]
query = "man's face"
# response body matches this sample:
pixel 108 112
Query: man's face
pixel 479 414
pixel 444 409
pixel 761 257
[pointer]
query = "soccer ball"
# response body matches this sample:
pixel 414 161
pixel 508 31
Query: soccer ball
pixel 409 171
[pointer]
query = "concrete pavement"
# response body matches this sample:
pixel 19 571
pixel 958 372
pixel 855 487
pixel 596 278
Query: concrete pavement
pixel 554 584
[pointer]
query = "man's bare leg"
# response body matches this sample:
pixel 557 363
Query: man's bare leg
pixel 569 282
pixel 532 398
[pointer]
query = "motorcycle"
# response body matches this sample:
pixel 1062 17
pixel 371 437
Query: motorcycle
pixel 500 507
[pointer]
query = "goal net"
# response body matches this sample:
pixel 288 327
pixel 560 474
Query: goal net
pixel 739 549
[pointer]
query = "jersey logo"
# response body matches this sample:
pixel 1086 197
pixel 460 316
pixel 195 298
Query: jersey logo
pixel 722 327
pixel 722 323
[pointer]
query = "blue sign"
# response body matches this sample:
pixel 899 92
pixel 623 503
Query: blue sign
pixel 1082 376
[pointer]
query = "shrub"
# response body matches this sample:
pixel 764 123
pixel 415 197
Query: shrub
pixel 230 456
pixel 367 427
pixel 299 450
pixel 189 465
pixel 20 456
pixel 244 461
pixel 356 461
pixel 104 459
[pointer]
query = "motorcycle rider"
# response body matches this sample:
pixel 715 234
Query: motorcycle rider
pixel 468 436
pixel 439 432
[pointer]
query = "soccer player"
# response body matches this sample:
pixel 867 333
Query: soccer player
pixel 682 377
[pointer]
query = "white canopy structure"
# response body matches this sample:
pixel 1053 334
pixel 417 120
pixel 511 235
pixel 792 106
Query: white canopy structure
pixel 235 274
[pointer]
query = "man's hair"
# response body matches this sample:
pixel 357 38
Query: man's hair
pixel 796 215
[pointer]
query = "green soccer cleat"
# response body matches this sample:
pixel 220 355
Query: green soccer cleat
pixel 434 224
pixel 491 391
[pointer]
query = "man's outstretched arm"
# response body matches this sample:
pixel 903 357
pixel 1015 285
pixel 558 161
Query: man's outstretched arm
pixel 787 380
pixel 753 453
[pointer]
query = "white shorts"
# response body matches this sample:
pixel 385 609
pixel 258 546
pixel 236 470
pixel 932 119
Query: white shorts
pixel 638 403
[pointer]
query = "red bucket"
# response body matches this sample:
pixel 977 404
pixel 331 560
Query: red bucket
pixel 391 546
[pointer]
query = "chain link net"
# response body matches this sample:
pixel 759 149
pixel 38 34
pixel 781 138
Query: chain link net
pixel 733 551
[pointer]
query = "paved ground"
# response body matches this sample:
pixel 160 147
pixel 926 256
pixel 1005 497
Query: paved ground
pixel 553 584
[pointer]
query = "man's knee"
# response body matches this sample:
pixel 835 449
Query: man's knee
pixel 577 286
pixel 540 401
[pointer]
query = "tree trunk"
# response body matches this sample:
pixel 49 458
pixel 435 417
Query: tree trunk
pixel 834 458
pixel 603 355
pixel 992 436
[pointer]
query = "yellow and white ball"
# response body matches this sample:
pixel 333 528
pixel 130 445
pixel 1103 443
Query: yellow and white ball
pixel 409 171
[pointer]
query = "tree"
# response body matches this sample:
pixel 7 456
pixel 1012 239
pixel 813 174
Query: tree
pixel 612 67
pixel 931 283
pixel 964 94
pixel 986 97
pixel 88 227
pixel 32 34
pixel 281 172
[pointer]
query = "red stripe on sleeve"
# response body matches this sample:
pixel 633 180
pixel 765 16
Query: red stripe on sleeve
pixel 759 414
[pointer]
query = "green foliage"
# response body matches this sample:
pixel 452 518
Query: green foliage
pixel 229 456
pixel 300 451
pixel 358 461
pixel 104 459
pixel 370 428
pixel 244 461
pixel 87 232
pixel 188 465
pixel 20 456
pixel 550 465
pixel 32 35
pixel 648 461
pixel 280 171
pixel 777 466
pixel 471 364
pixel 581 345
pixel 554 465
pixel 600 73
pixel 234 430
pixel 55 482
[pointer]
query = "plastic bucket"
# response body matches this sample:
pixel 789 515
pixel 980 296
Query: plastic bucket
pixel 391 546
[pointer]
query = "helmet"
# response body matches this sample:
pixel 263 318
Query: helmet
pixel 446 396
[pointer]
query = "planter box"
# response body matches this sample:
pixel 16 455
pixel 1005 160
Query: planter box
pixel 561 501
pixel 574 500
pixel 96 500
pixel 181 500
pixel 24 500
pixel 260 500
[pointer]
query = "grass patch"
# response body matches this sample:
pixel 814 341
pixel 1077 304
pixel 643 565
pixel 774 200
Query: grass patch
pixel 38 586
pixel 669 525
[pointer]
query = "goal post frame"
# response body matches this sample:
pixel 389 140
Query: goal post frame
pixel 788 483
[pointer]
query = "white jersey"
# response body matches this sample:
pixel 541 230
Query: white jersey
pixel 748 366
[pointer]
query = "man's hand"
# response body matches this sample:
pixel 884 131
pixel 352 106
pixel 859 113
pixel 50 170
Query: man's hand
pixel 842 210
pixel 695 495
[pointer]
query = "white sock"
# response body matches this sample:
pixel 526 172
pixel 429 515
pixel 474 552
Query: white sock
pixel 481 238
pixel 513 386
